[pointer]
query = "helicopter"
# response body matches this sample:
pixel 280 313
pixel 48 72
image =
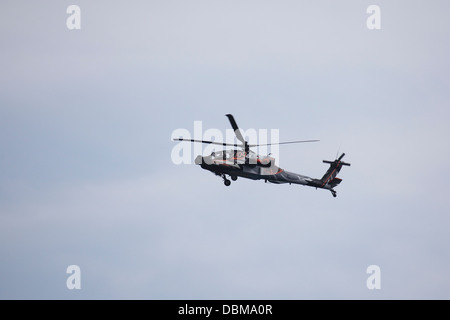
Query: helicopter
pixel 247 164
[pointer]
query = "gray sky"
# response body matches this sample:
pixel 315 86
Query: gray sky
pixel 86 176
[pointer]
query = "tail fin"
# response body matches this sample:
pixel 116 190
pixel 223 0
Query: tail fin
pixel 330 176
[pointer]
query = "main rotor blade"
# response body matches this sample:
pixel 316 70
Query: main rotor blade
pixel 235 127
pixel 210 142
pixel 288 142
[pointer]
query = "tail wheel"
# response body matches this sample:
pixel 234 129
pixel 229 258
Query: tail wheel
pixel 227 182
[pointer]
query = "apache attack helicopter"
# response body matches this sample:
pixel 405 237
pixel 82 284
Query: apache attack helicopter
pixel 247 164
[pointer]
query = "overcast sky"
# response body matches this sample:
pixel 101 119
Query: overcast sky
pixel 86 175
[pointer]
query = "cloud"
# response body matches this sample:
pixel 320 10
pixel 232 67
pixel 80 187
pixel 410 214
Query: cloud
pixel 86 175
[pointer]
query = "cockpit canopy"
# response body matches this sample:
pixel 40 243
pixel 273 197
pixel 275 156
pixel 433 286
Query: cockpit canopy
pixel 227 154
pixel 221 154
pixel 230 154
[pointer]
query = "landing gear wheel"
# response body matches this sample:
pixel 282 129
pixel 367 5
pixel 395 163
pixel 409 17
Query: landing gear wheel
pixel 234 178
pixel 333 193
pixel 227 182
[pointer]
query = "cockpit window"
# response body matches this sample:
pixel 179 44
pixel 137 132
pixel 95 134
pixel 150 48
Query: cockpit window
pixel 220 154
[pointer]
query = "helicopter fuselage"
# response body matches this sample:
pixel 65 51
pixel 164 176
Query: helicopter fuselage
pixel 237 163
